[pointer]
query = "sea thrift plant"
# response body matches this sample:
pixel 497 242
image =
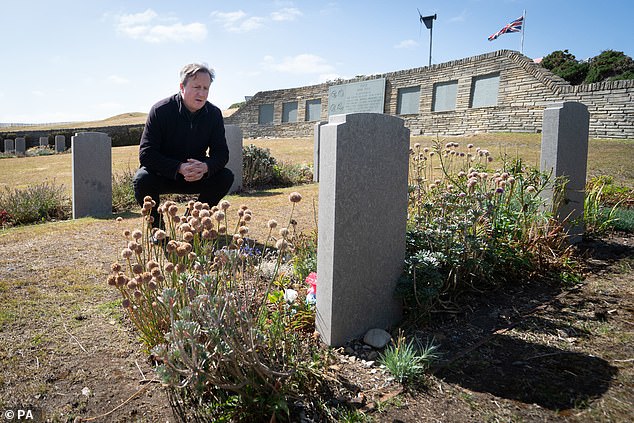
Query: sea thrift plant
pixel 210 317
pixel 473 225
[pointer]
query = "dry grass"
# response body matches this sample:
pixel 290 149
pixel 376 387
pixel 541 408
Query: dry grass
pixel 134 118
pixel 605 157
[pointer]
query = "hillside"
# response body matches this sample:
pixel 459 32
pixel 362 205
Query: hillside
pixel 134 118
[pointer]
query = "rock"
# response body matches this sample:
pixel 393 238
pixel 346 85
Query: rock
pixel 377 338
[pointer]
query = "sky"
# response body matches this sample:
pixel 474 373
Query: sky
pixel 82 60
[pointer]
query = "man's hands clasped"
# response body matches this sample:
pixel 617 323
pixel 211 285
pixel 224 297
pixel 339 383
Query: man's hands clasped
pixel 193 170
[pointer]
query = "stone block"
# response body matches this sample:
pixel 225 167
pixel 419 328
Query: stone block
pixel 9 146
pixel 362 223
pixel 233 134
pixel 43 141
pixel 92 174
pixel 564 154
pixel 60 143
pixel 20 146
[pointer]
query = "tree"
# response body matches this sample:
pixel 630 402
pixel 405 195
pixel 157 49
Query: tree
pixel 610 65
pixel 565 64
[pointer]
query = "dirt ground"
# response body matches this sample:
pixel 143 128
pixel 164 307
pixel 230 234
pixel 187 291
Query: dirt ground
pixel 529 353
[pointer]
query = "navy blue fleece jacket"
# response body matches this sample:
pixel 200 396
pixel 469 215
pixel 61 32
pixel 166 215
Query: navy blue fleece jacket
pixel 173 134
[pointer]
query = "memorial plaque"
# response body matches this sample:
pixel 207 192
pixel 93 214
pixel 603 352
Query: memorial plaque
pixel 357 97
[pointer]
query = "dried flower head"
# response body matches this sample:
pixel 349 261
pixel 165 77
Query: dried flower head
pixel 169 267
pixel 284 232
pixel 115 267
pixel 119 219
pixel 224 205
pixel 295 197
pixel 172 210
pixel 272 224
pixel 126 253
pixel 137 268
pixel 137 234
pixel 219 216
pixel 281 244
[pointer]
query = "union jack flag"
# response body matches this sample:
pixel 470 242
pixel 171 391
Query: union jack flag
pixel 515 26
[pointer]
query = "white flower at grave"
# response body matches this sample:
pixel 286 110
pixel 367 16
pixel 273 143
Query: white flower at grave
pixel 290 295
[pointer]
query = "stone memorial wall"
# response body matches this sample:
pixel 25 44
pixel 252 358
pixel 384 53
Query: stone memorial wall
pixel 524 89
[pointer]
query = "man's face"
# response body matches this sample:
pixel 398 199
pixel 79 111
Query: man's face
pixel 196 91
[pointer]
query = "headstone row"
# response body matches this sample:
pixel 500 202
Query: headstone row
pixel 18 146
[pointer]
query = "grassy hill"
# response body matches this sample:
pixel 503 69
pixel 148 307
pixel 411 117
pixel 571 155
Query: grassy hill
pixel 134 118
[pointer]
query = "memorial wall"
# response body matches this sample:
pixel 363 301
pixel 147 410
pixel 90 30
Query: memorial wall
pixel 502 91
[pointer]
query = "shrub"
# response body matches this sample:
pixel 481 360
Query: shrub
pixel 227 341
pixel 287 175
pixel 36 203
pixel 257 166
pixel 40 151
pixel 473 228
pixel 123 191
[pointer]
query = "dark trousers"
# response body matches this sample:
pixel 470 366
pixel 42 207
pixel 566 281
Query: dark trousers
pixel 210 190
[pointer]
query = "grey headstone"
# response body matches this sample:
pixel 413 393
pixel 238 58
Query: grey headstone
pixel 564 152
pixel 317 132
pixel 362 221
pixel 92 174
pixel 9 146
pixel 20 146
pixel 43 141
pixel 233 134
pixel 60 143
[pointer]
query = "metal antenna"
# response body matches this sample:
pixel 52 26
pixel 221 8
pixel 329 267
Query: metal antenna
pixel 429 23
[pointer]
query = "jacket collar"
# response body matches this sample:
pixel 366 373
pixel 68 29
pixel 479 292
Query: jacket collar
pixel 184 111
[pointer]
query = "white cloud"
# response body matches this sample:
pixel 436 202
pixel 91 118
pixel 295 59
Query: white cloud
pixel 150 27
pixel 237 21
pixel 302 64
pixel 459 18
pixel 286 14
pixel 119 80
pixel 38 93
pixel 406 44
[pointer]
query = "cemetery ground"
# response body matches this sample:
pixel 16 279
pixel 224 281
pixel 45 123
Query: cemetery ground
pixel 531 352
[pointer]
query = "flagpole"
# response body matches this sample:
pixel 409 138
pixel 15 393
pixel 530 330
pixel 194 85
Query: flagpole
pixel 523 29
